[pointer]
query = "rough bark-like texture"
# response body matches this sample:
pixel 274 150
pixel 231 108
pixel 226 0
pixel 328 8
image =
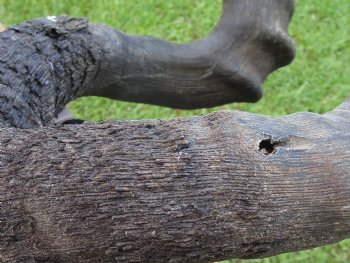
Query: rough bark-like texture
pixel 200 189
pixel 230 184
pixel 45 63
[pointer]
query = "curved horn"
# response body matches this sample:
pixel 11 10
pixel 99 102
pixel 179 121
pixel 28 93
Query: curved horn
pixel 47 62
pixel 230 64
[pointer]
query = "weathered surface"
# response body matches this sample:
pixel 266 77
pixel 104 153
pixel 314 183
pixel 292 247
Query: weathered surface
pixel 45 63
pixel 230 184
pixel 230 64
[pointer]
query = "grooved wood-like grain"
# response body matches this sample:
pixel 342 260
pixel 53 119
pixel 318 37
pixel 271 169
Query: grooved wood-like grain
pixel 186 190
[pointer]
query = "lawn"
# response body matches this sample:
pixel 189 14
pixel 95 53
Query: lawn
pixel 316 81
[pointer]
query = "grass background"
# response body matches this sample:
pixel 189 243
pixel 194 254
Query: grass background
pixel 317 80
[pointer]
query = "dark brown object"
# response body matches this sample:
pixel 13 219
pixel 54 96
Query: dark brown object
pixel 230 184
pixel 45 63
pixel 227 185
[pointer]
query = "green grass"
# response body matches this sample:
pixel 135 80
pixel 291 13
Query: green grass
pixel 317 80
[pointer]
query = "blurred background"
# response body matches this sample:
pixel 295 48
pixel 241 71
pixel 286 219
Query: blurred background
pixel 317 80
